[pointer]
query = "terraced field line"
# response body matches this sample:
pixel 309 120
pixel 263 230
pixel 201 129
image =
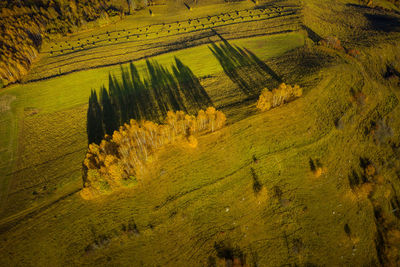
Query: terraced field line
pixel 137 59
pixel 205 26
pixel 154 42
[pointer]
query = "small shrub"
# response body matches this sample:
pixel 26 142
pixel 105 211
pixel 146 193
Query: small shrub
pixel 370 170
pixel 353 53
pixel 312 165
pixel 315 167
pixel 354 93
pixel 332 42
pixel 347 229
pixel 277 192
pixel 367 167
pixel 364 162
pixel 256 183
pixel 232 256
pixel 130 227
pixel 356 180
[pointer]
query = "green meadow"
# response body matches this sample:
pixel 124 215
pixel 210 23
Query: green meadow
pixel 48 98
pixel 313 182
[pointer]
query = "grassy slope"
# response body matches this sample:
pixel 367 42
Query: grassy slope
pixel 193 198
pixel 61 118
pixel 180 212
pixel 8 133
pixel 72 91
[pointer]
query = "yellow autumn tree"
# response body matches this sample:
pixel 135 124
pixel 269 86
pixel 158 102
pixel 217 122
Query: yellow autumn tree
pixel 120 158
pixel 283 94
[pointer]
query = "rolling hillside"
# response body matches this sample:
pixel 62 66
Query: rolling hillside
pixel 314 182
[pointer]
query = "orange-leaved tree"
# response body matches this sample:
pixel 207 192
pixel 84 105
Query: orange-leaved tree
pixel 283 94
pixel 120 158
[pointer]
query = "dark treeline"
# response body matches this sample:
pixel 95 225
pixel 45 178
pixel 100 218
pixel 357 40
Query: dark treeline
pixel 144 98
pixel 243 67
pixel 25 24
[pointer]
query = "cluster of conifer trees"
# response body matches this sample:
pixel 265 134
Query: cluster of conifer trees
pixel 118 159
pixel 243 67
pixel 144 98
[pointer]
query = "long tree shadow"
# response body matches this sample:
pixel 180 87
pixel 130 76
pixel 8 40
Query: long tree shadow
pixel 243 67
pixel 149 97
pixel 312 34
pixel 386 23
pixel 263 66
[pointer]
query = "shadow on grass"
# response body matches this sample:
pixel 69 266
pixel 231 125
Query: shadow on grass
pixel 243 67
pixel 146 97
pixel 357 6
pixel 384 23
pixel 312 34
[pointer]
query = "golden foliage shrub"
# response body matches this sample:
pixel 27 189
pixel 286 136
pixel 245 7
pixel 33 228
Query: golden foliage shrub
pixel 119 159
pixel 283 94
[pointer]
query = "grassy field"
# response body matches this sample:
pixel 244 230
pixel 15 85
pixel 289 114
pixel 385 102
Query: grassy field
pixel 71 90
pixel 180 211
pixel 47 108
pixel 143 36
pixel 193 202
